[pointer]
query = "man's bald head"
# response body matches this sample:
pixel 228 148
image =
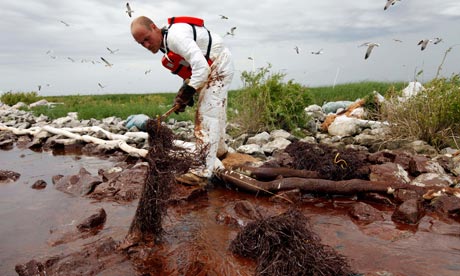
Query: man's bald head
pixel 142 21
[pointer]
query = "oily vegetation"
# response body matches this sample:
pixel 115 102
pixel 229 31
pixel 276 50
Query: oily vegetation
pixel 268 102
pixel 433 115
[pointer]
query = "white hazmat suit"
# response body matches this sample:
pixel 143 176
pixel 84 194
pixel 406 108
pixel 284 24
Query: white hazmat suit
pixel 211 83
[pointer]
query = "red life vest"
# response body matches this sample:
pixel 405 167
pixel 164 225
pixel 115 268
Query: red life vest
pixel 176 63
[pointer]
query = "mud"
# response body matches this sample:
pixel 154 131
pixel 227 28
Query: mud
pixel 39 233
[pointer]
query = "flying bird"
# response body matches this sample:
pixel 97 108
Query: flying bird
pixel 250 58
pixel 370 46
pixel 319 52
pixel 112 51
pixel 223 16
pixel 39 87
pixel 232 31
pixel 437 40
pixel 297 49
pixel 129 11
pixel 71 59
pixel 397 40
pixel 100 85
pixel 108 64
pixel 424 43
pixel 67 25
pixel 390 3
pixel 147 71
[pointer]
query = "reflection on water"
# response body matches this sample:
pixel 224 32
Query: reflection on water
pixel 32 219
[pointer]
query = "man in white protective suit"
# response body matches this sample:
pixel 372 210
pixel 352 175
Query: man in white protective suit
pixel 199 57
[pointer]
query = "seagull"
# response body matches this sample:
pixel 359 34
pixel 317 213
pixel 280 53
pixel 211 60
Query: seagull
pixel 67 25
pixel 319 52
pixel 223 16
pixel 232 31
pixel 390 3
pixel 437 40
pixel 100 85
pixel 370 46
pixel 297 49
pixel 250 58
pixel 424 43
pixel 112 51
pixel 108 64
pixel 147 71
pixel 39 87
pixel 71 59
pixel 397 40
pixel 129 11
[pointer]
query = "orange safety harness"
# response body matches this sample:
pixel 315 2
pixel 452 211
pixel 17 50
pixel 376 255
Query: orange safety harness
pixel 174 62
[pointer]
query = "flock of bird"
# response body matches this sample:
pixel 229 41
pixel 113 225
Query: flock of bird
pixel 370 45
pixel 128 11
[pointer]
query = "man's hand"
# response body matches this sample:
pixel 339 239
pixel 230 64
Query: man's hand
pixel 184 97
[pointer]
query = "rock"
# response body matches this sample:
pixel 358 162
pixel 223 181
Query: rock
pixel 447 205
pixel 409 212
pixel 8 176
pixel 389 172
pixel 30 268
pixel 259 139
pixel 433 179
pixel 278 143
pixel 402 195
pixel 280 133
pixel 93 259
pixel 39 185
pixel 365 213
pixel 125 185
pixel 94 221
pixel 343 126
pixel 80 184
pixel 252 149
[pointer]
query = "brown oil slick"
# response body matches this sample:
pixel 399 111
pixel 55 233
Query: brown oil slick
pixel 198 233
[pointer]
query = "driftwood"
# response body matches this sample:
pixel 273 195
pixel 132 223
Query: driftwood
pixel 309 185
pixel 261 173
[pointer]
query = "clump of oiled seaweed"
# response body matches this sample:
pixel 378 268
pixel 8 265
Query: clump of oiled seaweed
pixel 332 163
pixel 285 246
pixel 165 161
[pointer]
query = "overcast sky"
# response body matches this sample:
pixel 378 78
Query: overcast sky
pixel 37 48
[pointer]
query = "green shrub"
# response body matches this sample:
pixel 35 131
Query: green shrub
pixel 432 115
pixel 266 103
pixel 12 98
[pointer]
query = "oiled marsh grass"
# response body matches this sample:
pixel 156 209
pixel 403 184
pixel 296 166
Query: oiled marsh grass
pixel 433 115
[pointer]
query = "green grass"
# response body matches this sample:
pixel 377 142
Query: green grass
pixel 118 105
pixel 351 91
pixel 123 105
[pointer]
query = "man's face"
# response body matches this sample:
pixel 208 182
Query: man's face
pixel 149 39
